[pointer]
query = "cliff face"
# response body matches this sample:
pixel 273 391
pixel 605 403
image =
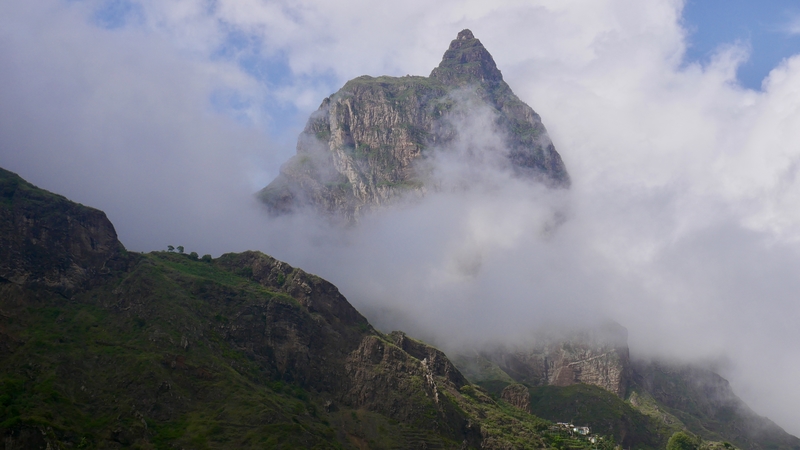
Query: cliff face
pixel 49 241
pixel 366 144
pixel 597 357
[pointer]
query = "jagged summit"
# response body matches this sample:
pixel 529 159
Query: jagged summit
pixel 467 61
pixel 364 146
pixel 464 34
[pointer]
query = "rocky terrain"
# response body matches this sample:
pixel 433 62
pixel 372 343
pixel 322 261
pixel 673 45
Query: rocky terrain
pixel 368 143
pixel 104 348
pixel 377 140
pixel 607 390
pixel 597 356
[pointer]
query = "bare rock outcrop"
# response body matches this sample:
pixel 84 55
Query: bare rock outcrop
pixel 47 240
pixel 598 356
pixel 363 147
pixel 518 396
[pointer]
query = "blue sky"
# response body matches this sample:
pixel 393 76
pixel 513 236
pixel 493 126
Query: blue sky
pixel 170 115
pixel 770 29
pixel 770 32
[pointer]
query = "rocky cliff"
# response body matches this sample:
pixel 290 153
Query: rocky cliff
pixel 164 350
pixel 368 143
pixel 558 375
pixel 101 348
pixel 597 356
pixel 49 241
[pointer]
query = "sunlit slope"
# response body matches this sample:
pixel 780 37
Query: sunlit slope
pixel 168 350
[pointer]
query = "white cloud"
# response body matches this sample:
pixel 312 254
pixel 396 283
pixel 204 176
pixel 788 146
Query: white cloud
pixel 683 219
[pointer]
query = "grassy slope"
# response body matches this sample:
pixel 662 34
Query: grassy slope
pixel 90 372
pixel 152 356
pixel 93 374
pixel 585 405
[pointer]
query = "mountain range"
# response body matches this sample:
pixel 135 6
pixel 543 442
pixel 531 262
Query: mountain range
pixel 101 347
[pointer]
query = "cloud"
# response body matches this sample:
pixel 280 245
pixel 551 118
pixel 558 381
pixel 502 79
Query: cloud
pixel 120 120
pixel 681 223
pixel 792 27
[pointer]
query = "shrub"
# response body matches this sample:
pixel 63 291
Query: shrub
pixel 681 441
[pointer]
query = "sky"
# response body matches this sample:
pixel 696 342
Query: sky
pixel 678 122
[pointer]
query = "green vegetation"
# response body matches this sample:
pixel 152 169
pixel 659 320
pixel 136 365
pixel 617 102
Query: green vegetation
pixel 508 426
pixel 147 360
pixel 92 369
pixel 168 350
pixel 682 441
pixel 604 413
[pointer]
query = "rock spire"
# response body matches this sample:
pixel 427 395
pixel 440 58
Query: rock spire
pixel 364 146
pixel 467 61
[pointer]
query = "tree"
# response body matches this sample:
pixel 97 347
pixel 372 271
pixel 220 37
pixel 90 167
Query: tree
pixel 682 441
pixel 170 248
pixel 193 255
pixel 206 258
pixel 180 249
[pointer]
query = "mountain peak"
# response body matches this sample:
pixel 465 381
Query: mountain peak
pixel 465 34
pixel 365 145
pixel 467 62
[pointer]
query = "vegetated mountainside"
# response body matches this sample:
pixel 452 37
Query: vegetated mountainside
pixel 656 399
pixel 587 405
pixel 166 350
pixel 705 404
pixel 365 145
pixel 102 348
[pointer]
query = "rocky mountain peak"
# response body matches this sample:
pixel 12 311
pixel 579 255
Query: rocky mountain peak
pixel 365 145
pixel 464 35
pixel 467 62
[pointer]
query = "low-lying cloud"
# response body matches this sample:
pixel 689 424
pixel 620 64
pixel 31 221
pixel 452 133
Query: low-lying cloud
pixel 681 223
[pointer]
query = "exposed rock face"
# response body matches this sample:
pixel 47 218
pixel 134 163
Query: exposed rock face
pixel 518 396
pixel 364 146
pixel 435 360
pixel 49 241
pixel 598 357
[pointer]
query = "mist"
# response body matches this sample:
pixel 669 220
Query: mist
pixel 681 223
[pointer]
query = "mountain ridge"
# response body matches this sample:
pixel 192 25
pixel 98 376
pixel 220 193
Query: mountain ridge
pixel 105 348
pixel 166 350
